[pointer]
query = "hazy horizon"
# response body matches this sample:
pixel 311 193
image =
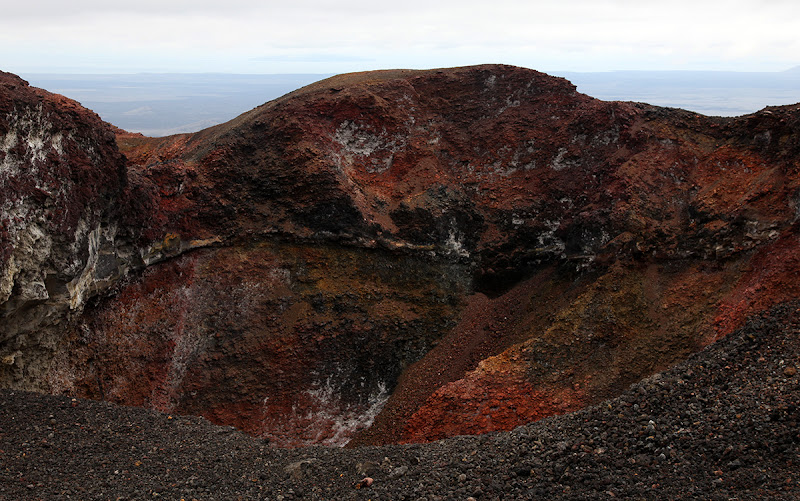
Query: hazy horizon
pixel 587 41
pixel 158 104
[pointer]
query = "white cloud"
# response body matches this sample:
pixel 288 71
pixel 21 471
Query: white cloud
pixel 346 35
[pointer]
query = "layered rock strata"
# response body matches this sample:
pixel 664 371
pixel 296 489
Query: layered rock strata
pixel 445 252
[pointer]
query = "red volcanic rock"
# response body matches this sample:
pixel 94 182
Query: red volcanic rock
pixel 445 252
pixel 300 344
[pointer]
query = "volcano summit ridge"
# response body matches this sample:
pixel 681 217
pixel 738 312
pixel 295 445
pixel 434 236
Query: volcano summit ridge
pixel 394 256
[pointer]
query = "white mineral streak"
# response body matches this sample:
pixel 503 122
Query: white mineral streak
pixel 361 146
pixel 455 243
pixel 346 419
pixel 188 344
pixel 32 128
pixel 548 241
pixel 23 149
pixel 9 165
pixel 558 162
pixel 80 286
pixel 31 248
pixel 327 419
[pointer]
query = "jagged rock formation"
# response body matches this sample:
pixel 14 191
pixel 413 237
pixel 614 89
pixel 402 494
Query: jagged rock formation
pixel 447 252
pixel 62 221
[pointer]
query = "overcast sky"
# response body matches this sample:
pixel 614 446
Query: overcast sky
pixel 335 36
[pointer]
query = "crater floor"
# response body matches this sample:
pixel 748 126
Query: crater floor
pixel 722 425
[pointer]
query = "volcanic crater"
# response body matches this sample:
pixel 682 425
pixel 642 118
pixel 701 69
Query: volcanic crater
pixel 386 257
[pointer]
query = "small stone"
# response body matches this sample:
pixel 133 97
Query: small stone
pixel 364 483
pixel 297 470
pixel 735 464
pixel 523 472
pixel 398 472
pixel 367 468
pixel 462 478
pixel 790 371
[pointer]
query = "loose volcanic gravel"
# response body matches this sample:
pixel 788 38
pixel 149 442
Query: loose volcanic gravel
pixel 722 425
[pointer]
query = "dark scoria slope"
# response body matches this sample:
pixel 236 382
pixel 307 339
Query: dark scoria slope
pixel 443 252
pixel 722 425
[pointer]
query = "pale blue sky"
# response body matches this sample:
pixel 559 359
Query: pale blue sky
pixel 321 36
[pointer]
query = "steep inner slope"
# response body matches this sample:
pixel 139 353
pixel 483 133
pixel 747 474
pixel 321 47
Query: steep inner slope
pixel 721 425
pixel 447 252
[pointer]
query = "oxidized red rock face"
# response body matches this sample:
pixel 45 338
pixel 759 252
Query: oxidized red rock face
pixel 447 252
pixel 297 343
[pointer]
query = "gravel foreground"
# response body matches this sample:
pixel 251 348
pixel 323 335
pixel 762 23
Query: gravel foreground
pixel 722 425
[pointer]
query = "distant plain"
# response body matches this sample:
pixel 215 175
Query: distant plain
pixel 160 104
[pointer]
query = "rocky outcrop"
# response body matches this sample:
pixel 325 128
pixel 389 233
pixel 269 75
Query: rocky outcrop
pixel 300 344
pixel 63 233
pixel 445 252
